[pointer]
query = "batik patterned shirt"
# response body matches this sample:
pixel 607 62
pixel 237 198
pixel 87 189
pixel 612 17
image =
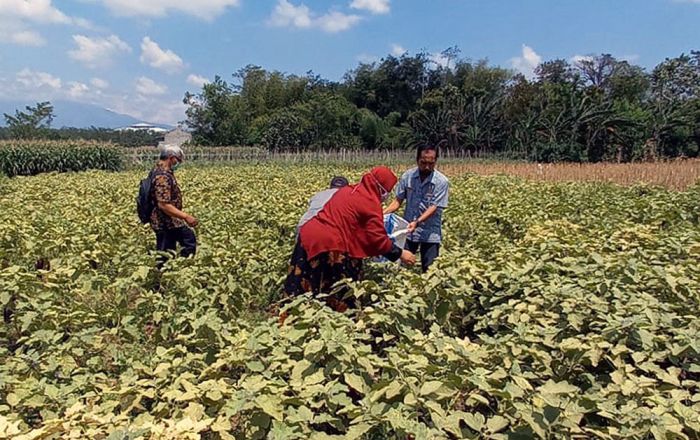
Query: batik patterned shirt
pixel 165 190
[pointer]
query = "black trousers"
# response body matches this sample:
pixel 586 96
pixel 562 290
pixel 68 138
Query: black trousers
pixel 168 240
pixel 428 252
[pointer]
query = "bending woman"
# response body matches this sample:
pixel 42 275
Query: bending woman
pixel 349 228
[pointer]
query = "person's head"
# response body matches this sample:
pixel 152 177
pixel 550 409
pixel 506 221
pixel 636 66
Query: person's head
pixel 426 156
pixel 384 179
pixel 172 155
pixel 338 182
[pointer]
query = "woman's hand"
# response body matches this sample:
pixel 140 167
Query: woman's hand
pixel 408 258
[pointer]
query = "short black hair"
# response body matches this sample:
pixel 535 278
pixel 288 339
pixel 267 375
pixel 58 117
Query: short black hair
pixel 426 146
pixel 339 182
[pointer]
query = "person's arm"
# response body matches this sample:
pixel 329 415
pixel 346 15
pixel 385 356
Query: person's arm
pixel 393 206
pixel 407 257
pixel 172 211
pixel 439 201
pixel 400 197
pixel 422 218
pixel 163 197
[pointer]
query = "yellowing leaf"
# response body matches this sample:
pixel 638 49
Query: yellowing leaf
pixel 430 387
pixel 496 424
pixel 562 387
pixel 355 381
pixel 271 405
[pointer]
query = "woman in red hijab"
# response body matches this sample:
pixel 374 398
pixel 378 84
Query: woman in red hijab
pixel 348 228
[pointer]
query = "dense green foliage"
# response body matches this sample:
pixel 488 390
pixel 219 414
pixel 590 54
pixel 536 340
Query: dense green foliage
pixel 598 108
pixel 554 311
pixel 31 157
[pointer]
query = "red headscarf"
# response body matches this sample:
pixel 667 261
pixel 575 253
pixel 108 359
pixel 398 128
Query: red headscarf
pixel 351 221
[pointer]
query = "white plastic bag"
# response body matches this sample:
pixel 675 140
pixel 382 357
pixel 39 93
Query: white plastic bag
pixel 396 229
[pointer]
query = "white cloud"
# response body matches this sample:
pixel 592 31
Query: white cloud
pixel 148 87
pixel 16 16
pixel 527 62
pixel 41 11
pixel 37 11
pixel 286 14
pixel 24 38
pixel 397 50
pixel 99 83
pixel 154 56
pixel 168 112
pixel 32 85
pixel 97 52
pixel 77 89
pixel 83 23
pixel 373 6
pixel 204 9
pixel 337 21
pixel 196 80
pixel 149 108
pixel 31 79
pixel 35 86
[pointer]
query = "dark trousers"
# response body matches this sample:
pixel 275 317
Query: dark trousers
pixel 168 240
pixel 428 252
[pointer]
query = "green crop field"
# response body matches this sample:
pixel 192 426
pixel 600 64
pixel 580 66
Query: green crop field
pixel 556 310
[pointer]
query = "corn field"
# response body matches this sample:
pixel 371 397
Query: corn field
pixel 26 158
pixel 34 157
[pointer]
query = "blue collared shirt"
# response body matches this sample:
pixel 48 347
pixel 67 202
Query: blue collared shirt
pixel 419 196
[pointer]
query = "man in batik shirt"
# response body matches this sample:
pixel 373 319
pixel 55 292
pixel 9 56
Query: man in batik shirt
pixel 170 223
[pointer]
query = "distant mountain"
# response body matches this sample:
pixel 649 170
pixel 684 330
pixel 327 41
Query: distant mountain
pixel 77 114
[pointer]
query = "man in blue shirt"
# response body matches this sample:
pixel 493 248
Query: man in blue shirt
pixel 425 191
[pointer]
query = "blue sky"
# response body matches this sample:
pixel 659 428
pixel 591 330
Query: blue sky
pixel 140 56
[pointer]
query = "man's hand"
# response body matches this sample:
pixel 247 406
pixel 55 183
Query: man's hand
pixel 412 226
pixel 408 258
pixel 191 221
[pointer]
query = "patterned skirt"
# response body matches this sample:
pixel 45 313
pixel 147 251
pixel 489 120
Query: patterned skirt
pixel 318 274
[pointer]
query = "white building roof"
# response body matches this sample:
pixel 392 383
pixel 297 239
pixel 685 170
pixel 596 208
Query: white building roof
pixel 142 126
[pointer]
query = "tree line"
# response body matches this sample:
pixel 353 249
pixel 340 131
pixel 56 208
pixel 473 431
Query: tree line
pixel 597 108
